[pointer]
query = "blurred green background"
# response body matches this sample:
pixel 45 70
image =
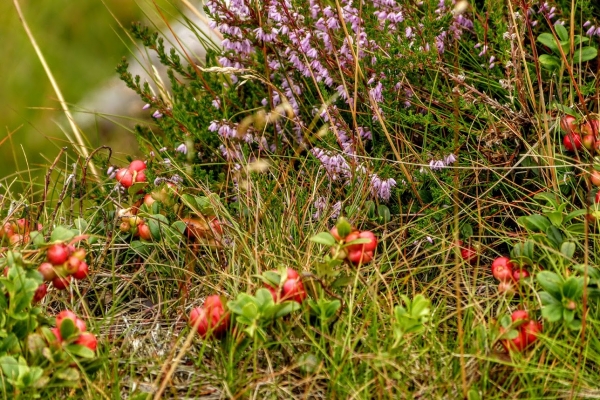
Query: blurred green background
pixel 82 43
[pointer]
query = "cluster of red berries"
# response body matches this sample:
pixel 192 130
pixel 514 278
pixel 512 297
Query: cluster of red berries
pixel 64 262
pixel 17 232
pixel 290 289
pixel 360 253
pixel 211 318
pixel 83 338
pixel 527 331
pixel 132 174
pixel 133 224
pixel 573 139
pixel 507 273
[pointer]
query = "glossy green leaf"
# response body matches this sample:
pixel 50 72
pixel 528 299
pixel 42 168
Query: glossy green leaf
pixel 324 238
pixel 585 54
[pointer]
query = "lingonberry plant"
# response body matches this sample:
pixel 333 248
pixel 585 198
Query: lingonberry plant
pixel 460 140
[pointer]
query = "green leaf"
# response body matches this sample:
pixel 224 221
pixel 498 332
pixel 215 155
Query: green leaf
pixel 568 315
pixel 551 283
pixel 81 225
pixel 343 227
pixel 553 313
pixel 561 32
pixel 585 54
pixel 554 236
pixel 556 217
pixel 67 328
pixel 324 238
pixel 568 249
pixel 263 298
pixel 576 228
pixel 549 198
pixel 61 234
pixel 286 308
pixel 179 226
pixel 548 40
pixel 535 222
pixel 37 238
pixel 466 231
pixel 69 374
pixel 384 213
pixel 81 351
pixel 156 223
pixel 575 214
pixel 136 188
pixel 250 311
pixel 10 367
pixel 331 308
pixel 575 324
pixel 573 288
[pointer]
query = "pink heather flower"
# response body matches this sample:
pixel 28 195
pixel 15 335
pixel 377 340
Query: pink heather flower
pixel 449 159
pixel 182 148
pixel 147 106
pixel 591 31
pixel 110 170
pixel 157 114
pixel 587 23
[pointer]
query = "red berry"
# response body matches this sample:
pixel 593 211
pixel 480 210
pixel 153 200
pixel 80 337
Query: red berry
pixel 57 254
pixel 519 315
pixel 588 142
pixel 124 177
pixel 40 293
pixel 520 274
pixel 72 265
pixel 47 270
pixel 350 238
pixel 88 340
pixel 369 246
pixel 531 330
pixel 7 230
pixel 82 271
pixel 211 318
pixel 16 239
pixel 595 178
pixel 358 256
pixel 468 254
pixel 144 232
pixel 61 283
pixel 519 343
pixel 568 124
pixel 292 274
pixel 148 200
pixel 140 177
pixel 502 269
pixel 137 166
pixel 79 253
pixel 572 141
pixel 293 289
pixel 213 301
